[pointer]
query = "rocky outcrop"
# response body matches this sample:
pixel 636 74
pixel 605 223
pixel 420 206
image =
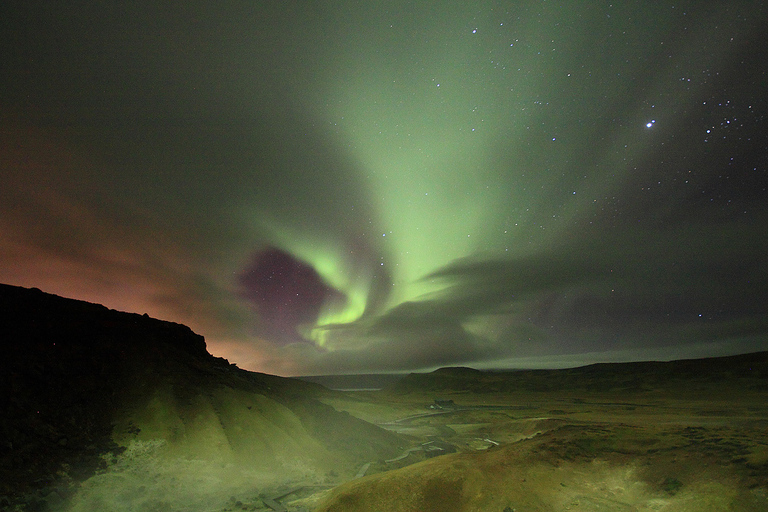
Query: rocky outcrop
pixel 78 381
pixel 64 368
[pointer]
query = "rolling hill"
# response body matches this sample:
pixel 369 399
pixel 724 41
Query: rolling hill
pixel 749 370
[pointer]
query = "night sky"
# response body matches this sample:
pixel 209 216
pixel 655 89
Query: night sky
pixel 335 187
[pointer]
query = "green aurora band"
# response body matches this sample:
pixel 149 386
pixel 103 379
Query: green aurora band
pixel 442 183
pixel 479 136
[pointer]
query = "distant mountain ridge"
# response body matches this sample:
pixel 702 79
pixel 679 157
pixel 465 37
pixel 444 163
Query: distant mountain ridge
pixel 363 381
pixel 751 369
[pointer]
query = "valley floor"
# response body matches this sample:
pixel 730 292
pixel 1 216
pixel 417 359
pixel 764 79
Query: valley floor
pixel 561 451
pixel 693 450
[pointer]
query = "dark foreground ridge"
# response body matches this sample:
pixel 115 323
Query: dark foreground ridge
pixel 69 371
pixel 64 364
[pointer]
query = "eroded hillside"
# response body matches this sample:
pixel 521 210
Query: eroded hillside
pixel 108 410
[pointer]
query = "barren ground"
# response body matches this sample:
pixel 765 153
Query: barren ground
pixel 672 449
pixel 563 451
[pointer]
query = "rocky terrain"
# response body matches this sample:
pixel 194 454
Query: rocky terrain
pixel 104 410
pixel 657 436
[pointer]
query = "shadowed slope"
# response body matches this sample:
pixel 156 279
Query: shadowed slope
pixel 79 382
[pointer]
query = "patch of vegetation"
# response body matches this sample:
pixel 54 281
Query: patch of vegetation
pixel 671 485
pixel 589 442
pixel 717 412
pixel 758 458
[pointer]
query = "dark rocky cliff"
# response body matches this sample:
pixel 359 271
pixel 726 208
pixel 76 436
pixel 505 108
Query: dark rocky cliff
pixel 64 365
pixel 71 371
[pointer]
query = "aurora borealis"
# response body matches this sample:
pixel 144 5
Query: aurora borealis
pixel 335 187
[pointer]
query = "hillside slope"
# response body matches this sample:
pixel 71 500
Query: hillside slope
pixel 573 467
pixel 97 405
